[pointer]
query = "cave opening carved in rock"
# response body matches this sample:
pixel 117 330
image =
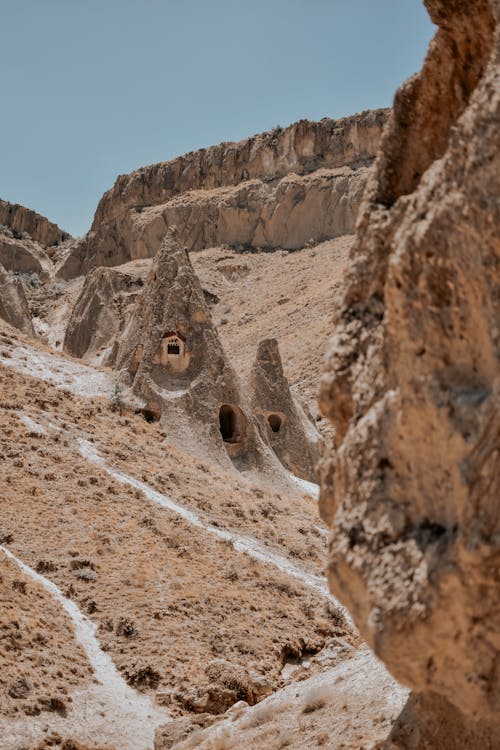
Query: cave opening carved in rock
pixel 231 423
pixel 275 422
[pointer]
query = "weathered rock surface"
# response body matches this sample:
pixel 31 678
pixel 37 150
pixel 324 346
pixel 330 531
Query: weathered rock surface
pixel 20 219
pixel 430 722
pixel 24 256
pixel 277 189
pixel 13 304
pixel 101 311
pixel 284 424
pixel 171 355
pixel 412 382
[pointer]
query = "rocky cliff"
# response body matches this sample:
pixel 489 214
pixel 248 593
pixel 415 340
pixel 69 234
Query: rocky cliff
pixel 412 382
pixel 101 311
pixel 21 220
pixel 277 189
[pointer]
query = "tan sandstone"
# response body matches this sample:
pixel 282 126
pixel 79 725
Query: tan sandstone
pixel 412 382
pixel 277 189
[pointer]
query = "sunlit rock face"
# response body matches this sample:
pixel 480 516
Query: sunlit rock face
pixel 280 189
pixel 412 380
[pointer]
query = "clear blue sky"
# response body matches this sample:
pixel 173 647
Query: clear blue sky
pixel 96 88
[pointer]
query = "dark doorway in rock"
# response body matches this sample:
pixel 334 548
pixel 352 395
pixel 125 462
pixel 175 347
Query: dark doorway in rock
pixel 227 423
pixel 274 422
pixel 150 414
pixel 231 423
pixel 173 349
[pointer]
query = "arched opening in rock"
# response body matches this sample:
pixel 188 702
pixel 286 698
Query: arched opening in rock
pixel 151 413
pixel 149 416
pixel 173 349
pixel 231 423
pixel 275 422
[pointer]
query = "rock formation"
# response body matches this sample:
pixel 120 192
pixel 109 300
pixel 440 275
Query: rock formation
pixel 13 303
pixel 284 424
pixel 101 311
pixel 24 256
pixel 278 189
pixel 412 381
pixel 171 355
pixel 23 221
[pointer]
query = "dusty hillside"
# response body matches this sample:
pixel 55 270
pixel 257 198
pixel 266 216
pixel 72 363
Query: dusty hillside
pixel 192 579
pixel 169 591
pixel 286 295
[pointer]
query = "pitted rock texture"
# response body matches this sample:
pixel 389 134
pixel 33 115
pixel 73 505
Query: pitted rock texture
pixel 171 356
pixel 430 722
pixel 20 219
pixel 101 311
pixel 284 424
pixel 412 383
pixel 13 303
pixel 278 189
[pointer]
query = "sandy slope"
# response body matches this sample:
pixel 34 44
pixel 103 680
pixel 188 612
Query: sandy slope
pixel 167 597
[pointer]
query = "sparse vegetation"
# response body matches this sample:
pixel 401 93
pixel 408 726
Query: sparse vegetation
pixel 316 698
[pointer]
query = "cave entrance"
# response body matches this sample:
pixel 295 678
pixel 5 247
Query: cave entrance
pixel 231 423
pixel 274 421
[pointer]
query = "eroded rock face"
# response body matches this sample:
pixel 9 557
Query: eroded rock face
pixel 171 355
pixel 290 432
pixel 23 220
pixel 278 189
pixel 101 311
pixel 412 383
pixel 13 304
pixel 24 256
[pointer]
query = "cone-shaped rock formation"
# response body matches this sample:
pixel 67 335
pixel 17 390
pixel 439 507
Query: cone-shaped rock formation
pixel 171 355
pixel 284 424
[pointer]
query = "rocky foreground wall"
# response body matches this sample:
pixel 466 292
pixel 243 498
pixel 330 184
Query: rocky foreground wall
pixel 278 189
pixel 413 380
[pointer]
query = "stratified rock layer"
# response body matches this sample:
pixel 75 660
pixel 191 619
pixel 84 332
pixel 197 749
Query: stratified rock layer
pixel 13 304
pixel 412 383
pixel 283 422
pixel 277 189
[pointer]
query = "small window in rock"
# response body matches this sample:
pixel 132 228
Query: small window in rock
pixel 173 349
pixel 274 422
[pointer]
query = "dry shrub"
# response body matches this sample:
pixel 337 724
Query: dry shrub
pixel 316 697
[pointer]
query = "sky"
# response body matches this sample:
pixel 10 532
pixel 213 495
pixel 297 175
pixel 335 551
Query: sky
pixel 96 88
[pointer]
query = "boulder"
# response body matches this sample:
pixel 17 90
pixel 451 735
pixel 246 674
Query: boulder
pixel 412 382
pixel 284 424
